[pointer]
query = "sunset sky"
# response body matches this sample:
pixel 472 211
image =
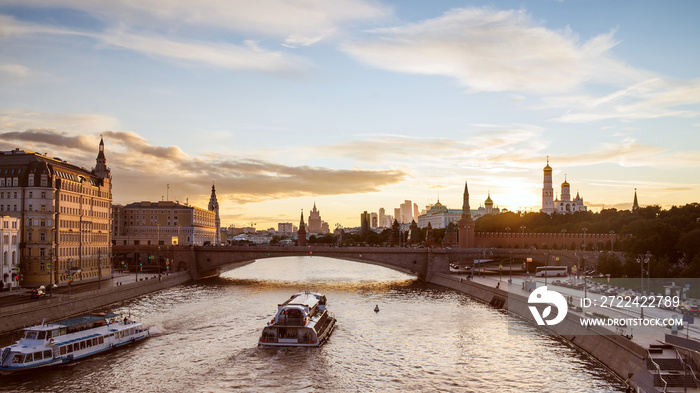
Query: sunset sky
pixel 357 105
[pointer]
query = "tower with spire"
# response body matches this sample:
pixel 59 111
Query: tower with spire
pixel 315 222
pixel 547 191
pixel 301 233
pixel 466 223
pixel 214 207
pixel 101 169
pixel 635 204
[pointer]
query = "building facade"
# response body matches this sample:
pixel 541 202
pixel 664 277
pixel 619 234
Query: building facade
pixel 439 216
pixel 9 252
pixel 163 223
pixel 65 215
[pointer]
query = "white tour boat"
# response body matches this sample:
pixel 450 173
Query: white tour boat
pixel 60 342
pixel 300 321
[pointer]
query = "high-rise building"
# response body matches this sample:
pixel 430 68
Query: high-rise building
pixel 64 213
pixel 406 212
pixel 397 216
pixel 214 206
pixel 285 228
pixel 374 220
pixel 382 218
pixel 364 222
pixel 315 222
pixel 416 212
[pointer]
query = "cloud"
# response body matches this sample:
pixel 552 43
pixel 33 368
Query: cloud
pixel 649 99
pixel 248 56
pixel 299 22
pixel 141 169
pixel 488 147
pixel 15 70
pixel 492 50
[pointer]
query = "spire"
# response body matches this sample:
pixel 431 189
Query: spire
pixel 101 169
pixel 301 221
pixel 214 207
pixel 635 204
pixel 466 211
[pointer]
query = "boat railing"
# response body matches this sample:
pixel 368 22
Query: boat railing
pixel 291 321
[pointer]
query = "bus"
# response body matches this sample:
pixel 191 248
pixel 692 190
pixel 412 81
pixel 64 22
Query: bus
pixel 551 271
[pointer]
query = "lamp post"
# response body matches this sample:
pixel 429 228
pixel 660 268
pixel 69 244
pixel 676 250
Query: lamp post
pixel 99 269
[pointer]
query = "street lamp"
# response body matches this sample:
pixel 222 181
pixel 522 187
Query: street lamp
pixel 99 268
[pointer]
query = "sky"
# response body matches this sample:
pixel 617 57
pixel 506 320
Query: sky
pixel 359 104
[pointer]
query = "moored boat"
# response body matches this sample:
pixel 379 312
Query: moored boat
pixel 71 339
pixel 302 320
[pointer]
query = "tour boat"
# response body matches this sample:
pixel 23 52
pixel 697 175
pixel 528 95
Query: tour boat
pixel 300 321
pixel 64 341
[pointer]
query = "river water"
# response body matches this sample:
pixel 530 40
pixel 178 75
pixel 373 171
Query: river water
pixel 425 338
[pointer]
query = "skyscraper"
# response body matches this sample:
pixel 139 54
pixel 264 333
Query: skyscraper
pixel 315 221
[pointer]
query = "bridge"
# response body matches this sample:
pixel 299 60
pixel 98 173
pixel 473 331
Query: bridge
pixel 207 261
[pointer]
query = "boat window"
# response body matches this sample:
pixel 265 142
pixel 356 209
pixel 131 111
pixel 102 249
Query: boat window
pixel 38 355
pixel 63 350
pixel 70 348
pixel 101 340
pixel 131 331
pixel 47 354
pixel 82 345
pixel 63 332
pixel 28 358
pixel 94 341
pixel 42 335
pixel 89 343
pixel 30 335
pixel 19 358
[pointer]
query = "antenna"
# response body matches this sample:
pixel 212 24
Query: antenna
pixel 167 190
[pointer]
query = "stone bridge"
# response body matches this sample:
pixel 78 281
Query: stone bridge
pixel 206 261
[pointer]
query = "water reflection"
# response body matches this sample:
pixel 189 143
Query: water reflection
pixel 424 338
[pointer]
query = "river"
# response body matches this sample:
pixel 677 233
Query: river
pixel 425 338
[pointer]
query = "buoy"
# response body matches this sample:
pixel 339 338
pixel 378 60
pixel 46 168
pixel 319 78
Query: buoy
pixel 376 308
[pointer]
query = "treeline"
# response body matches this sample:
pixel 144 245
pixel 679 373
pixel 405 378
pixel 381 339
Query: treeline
pixel 668 239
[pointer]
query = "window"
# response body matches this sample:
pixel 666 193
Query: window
pixel 42 253
pixel 42 222
pixel 31 194
pixel 29 235
pixel 5 224
pixel 42 237
pixel 15 195
pixel 31 181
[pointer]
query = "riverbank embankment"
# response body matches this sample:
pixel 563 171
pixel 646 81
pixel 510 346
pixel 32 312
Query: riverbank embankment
pixel 620 354
pixel 64 306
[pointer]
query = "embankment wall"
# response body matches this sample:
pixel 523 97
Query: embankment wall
pixel 63 306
